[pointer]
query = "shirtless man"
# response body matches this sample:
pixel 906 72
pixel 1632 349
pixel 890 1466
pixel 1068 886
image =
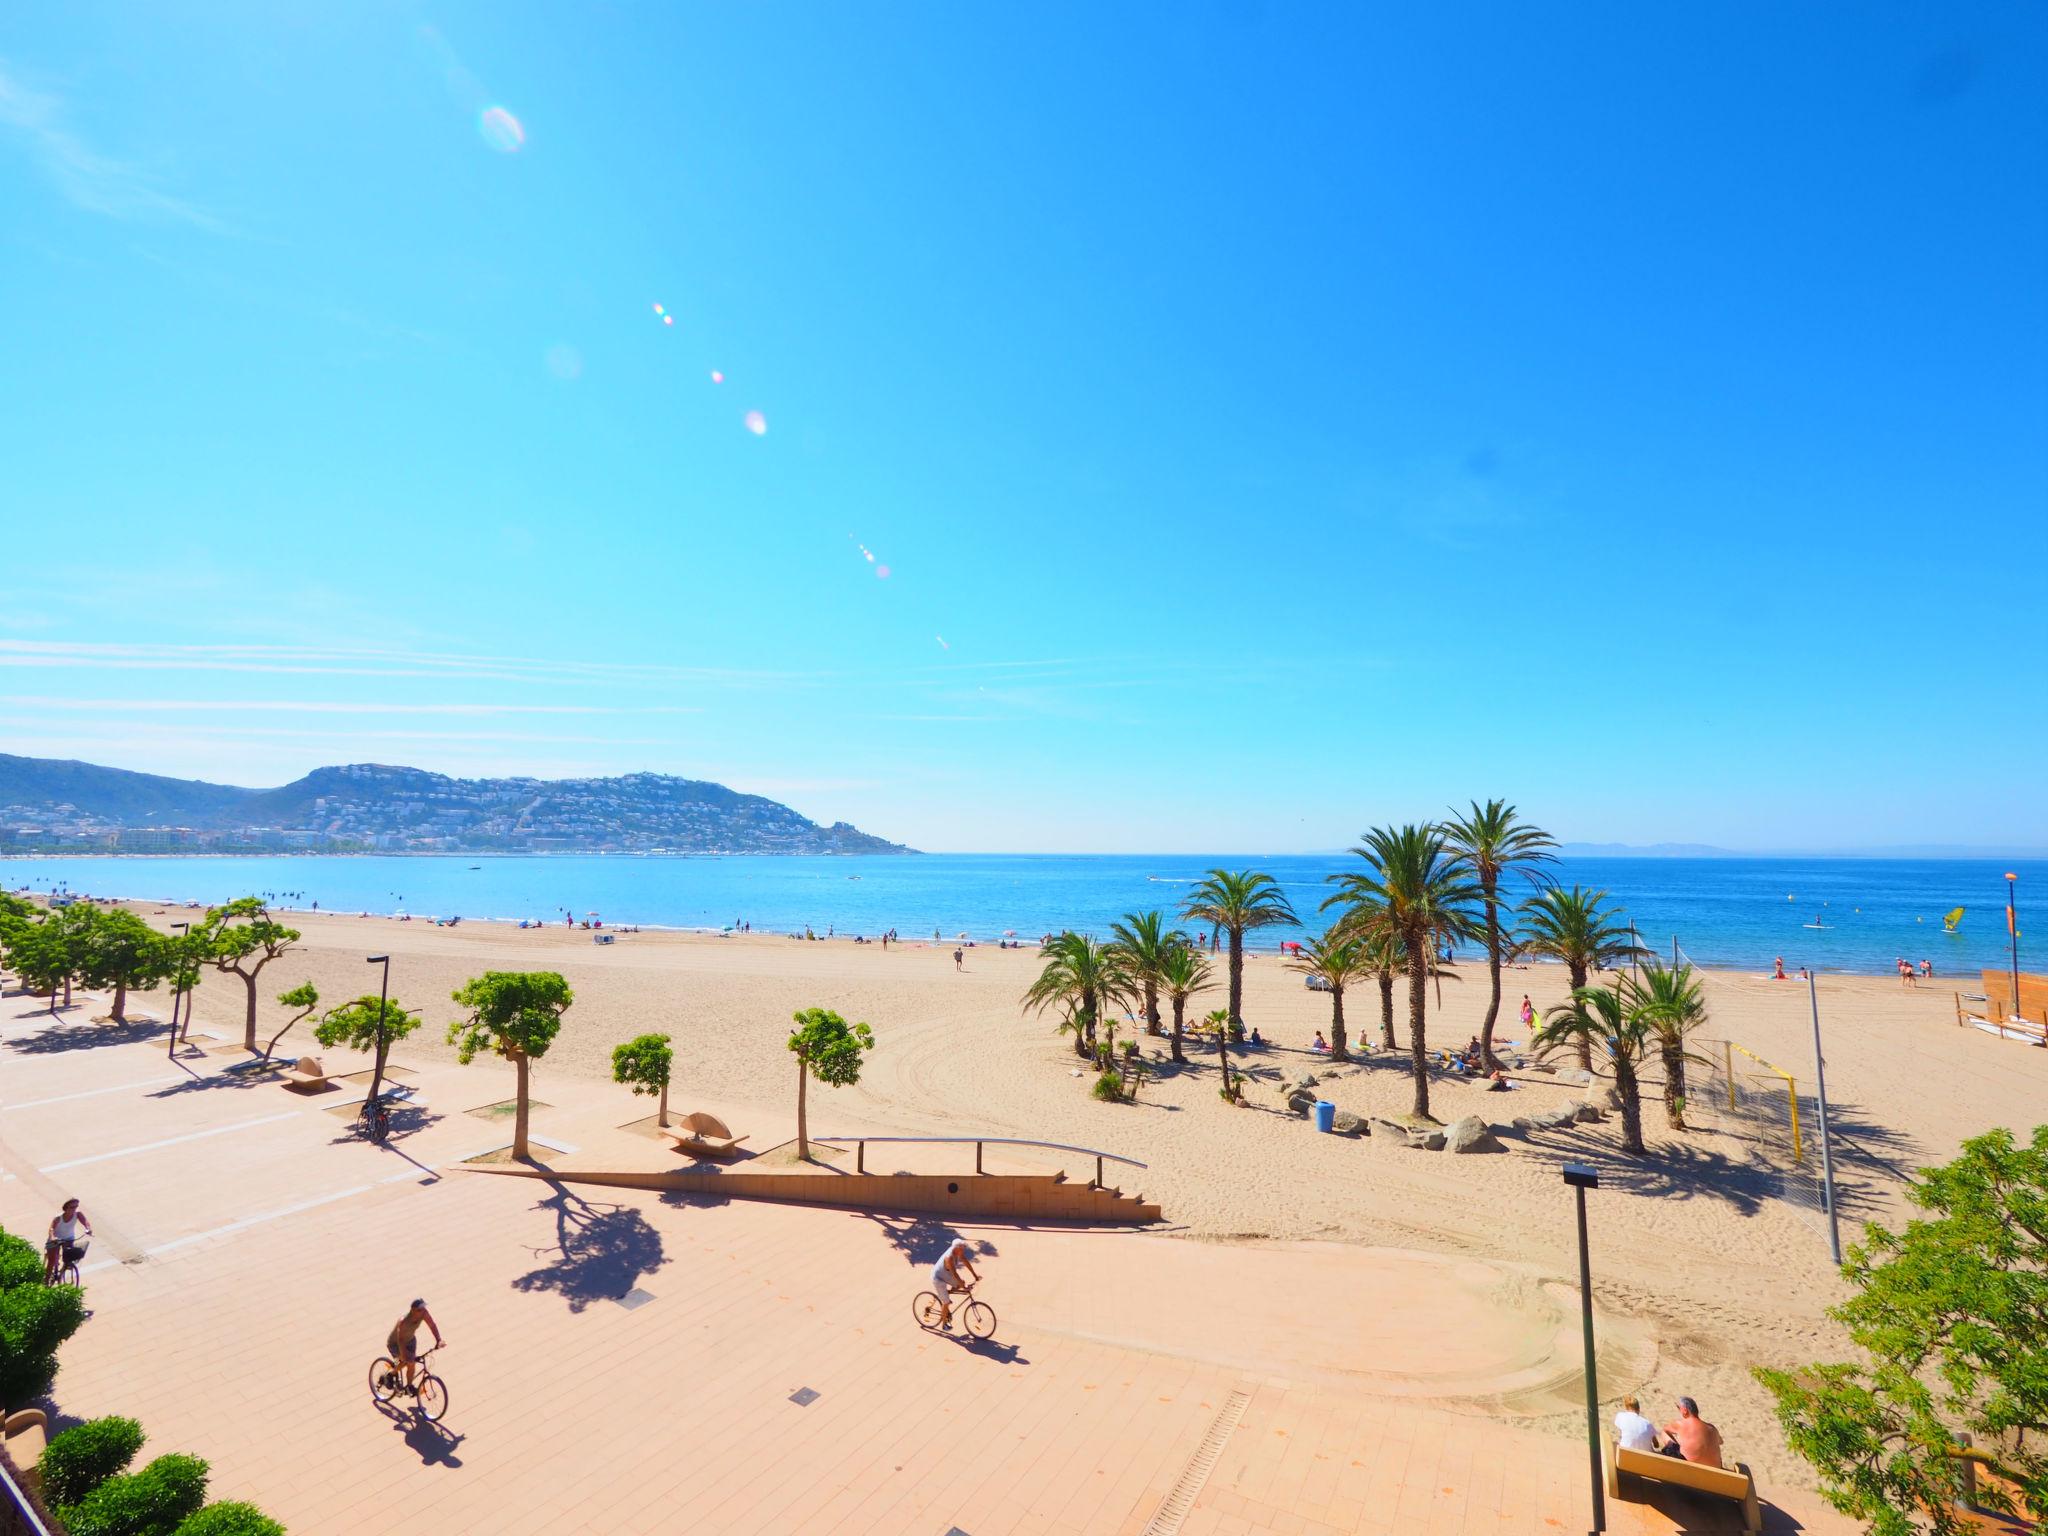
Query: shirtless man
pixel 1692 1437
pixel 403 1345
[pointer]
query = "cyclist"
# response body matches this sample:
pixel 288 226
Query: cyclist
pixel 946 1276
pixel 403 1346
pixel 64 1235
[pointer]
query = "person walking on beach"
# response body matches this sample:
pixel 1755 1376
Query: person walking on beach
pixel 1528 1012
pixel 956 959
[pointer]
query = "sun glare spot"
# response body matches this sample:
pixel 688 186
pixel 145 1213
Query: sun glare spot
pixel 757 423
pixel 501 130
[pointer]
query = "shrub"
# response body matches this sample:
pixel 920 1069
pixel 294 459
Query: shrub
pixel 34 1320
pixel 21 1262
pixel 1109 1088
pixel 86 1455
pixel 152 1502
pixel 234 1519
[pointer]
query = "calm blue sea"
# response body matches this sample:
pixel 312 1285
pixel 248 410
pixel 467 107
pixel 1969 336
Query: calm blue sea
pixel 1724 912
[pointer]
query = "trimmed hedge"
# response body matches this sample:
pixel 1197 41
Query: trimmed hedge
pixel 231 1519
pixel 152 1502
pixel 86 1455
pixel 21 1262
pixel 34 1319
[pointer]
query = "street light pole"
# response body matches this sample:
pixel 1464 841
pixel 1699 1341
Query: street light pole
pixel 383 992
pixel 2012 928
pixel 178 992
pixel 1582 1177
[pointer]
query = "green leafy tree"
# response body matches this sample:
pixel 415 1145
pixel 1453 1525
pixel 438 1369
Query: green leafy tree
pixel 35 1319
pixel 1578 929
pixel 1236 902
pixel 82 1457
pixel 41 954
pixel 232 1518
pixel 152 1502
pixel 1611 1018
pixel 1414 886
pixel 1218 1019
pixel 303 998
pixel 516 1015
pixel 830 1049
pixel 643 1064
pixel 1675 1006
pixel 367 1024
pixel 1146 941
pixel 1184 975
pixel 1339 957
pixel 121 951
pixel 1494 842
pixel 1080 977
pixel 1950 1319
pixel 239 939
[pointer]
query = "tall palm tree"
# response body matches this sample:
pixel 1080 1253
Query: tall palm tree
pixel 1674 1005
pixel 1494 841
pixel 1386 957
pixel 1236 902
pixel 1144 939
pixel 1080 977
pixel 1614 1019
pixel 1339 957
pixel 1184 972
pixel 1578 928
pixel 1423 892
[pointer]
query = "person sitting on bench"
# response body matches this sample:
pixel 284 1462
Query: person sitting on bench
pixel 1633 1432
pixel 1692 1437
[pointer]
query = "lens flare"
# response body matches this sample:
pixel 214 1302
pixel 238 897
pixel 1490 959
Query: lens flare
pixel 942 642
pixel 757 423
pixel 668 319
pixel 501 130
pixel 882 571
pixel 717 377
pixel 659 310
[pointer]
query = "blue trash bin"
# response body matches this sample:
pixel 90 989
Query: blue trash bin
pixel 1326 1115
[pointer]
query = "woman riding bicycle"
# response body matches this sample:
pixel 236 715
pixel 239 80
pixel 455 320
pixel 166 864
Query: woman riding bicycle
pixel 62 1246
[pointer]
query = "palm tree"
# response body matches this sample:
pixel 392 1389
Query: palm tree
pixel 1183 973
pixel 1339 957
pixel 1385 955
pixel 1145 940
pixel 1422 892
pixel 1236 901
pixel 1614 1018
pixel 1577 928
pixel 1080 977
pixel 1494 841
pixel 1674 1005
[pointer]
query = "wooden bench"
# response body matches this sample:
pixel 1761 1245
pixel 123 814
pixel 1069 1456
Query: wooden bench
pixel 1720 1481
pixel 306 1074
pixel 24 1433
pixel 703 1136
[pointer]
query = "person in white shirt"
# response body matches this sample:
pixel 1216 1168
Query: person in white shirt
pixel 64 1229
pixel 946 1276
pixel 1633 1432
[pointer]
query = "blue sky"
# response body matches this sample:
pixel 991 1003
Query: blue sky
pixel 1273 419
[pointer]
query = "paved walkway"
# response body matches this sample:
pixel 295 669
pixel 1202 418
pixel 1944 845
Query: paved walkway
pixel 621 1362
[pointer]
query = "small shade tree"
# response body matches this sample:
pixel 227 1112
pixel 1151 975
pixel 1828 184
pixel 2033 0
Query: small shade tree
pixel 1612 1019
pixel 643 1064
pixel 240 939
pixel 1338 957
pixel 830 1049
pixel 1183 973
pixel 121 951
pixel 515 1015
pixel 304 998
pixel 1950 1319
pixel 367 1024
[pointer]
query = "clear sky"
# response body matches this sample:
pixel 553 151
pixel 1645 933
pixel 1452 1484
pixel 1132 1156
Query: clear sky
pixel 1272 418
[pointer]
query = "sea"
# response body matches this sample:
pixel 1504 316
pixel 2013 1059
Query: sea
pixel 1843 915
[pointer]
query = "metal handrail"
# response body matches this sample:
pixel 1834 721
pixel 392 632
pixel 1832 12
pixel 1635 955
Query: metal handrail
pixel 18 1501
pixel 860 1161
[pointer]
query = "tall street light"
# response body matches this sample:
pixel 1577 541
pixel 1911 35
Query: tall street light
pixel 2012 928
pixel 1582 1177
pixel 178 992
pixel 383 992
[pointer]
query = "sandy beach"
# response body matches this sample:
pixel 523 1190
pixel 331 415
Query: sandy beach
pixel 1692 1245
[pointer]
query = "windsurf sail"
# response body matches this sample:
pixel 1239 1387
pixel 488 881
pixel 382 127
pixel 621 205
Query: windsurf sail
pixel 1950 923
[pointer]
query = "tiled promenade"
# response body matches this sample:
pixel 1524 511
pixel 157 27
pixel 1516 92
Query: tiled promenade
pixel 251 1254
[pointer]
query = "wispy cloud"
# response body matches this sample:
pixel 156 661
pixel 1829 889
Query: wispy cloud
pixel 86 178
pixel 328 707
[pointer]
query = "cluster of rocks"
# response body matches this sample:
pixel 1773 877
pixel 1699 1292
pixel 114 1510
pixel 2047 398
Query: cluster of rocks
pixel 1470 1134
pixel 1594 1107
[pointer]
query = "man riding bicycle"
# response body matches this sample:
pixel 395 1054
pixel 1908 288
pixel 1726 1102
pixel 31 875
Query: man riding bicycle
pixel 63 1245
pixel 403 1346
pixel 946 1281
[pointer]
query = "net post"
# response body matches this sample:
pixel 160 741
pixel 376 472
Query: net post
pixel 1827 1166
pixel 1728 1072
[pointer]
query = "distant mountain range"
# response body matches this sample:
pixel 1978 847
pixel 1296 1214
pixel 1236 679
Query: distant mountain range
pixel 47 804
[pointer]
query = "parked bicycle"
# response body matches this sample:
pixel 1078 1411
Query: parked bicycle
pixel 428 1391
pixel 977 1318
pixel 375 1118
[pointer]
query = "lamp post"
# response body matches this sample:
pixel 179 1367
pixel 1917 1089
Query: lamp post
pixel 383 992
pixel 1582 1177
pixel 2012 928
pixel 178 992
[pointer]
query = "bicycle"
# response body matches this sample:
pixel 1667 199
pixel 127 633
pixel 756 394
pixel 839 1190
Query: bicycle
pixel 375 1118
pixel 977 1318
pixel 66 1272
pixel 429 1391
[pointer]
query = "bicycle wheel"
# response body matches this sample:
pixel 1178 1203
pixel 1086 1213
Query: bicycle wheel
pixel 433 1398
pixel 383 1379
pixel 979 1319
pixel 68 1275
pixel 929 1311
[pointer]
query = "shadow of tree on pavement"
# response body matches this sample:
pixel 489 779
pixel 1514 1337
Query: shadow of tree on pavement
pixel 603 1250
